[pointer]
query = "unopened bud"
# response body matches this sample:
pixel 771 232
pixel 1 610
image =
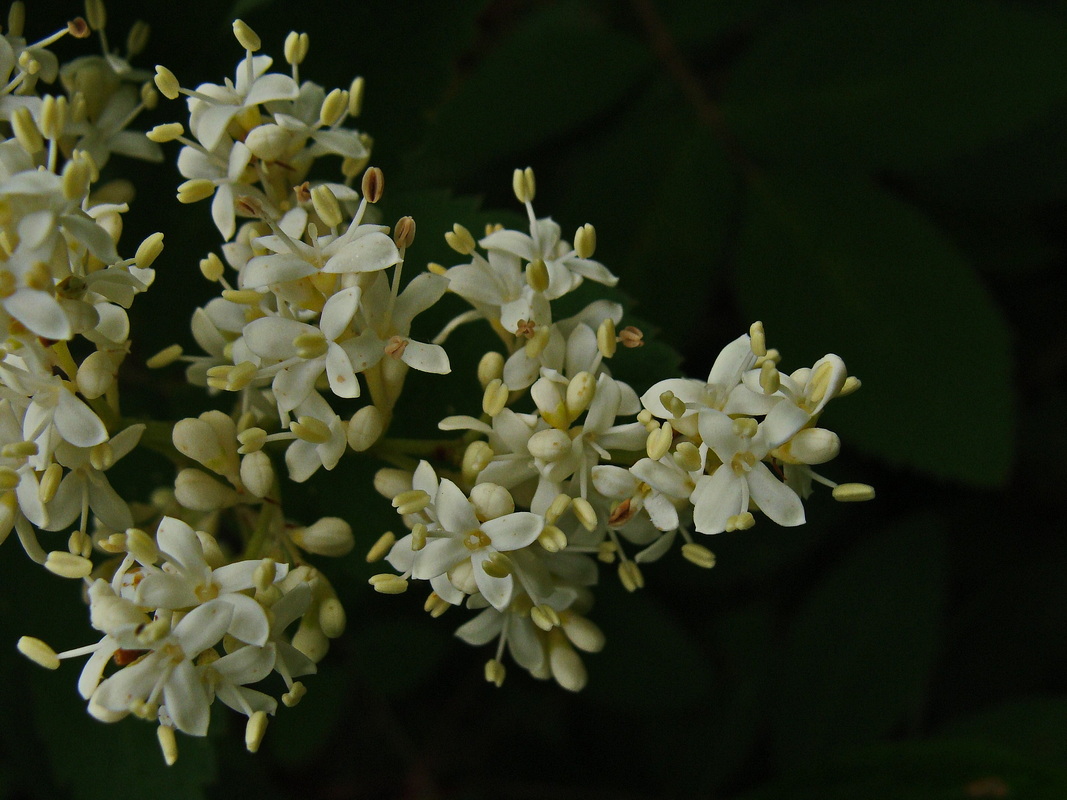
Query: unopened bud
pixel 814 446
pixel 332 618
pixel 491 501
pixel 257 473
pixel 476 458
pixel 365 428
pixel 490 368
pixel 329 536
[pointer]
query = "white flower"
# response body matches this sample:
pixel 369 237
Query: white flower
pixel 741 445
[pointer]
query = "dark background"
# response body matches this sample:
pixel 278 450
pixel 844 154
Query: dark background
pixel 885 181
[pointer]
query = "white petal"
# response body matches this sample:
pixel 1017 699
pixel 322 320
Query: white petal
pixel 717 497
pixel 343 381
pixel 454 511
pixel 368 253
pixel 426 357
pixel 513 531
pixel 775 499
pixel 186 699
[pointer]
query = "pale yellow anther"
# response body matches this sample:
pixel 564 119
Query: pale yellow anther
pixel 404 232
pixel 195 190
pixel 149 96
pixel 373 184
pixel 745 427
pixel 580 391
pixel 295 694
pixel 255 730
pixel 606 552
pixel 38 652
pixel 435 605
pixel 113 544
pixel 687 456
pixel 585 241
pixel 387 583
pixel 740 522
pixel 137 38
pixel 537 277
pixel 819 383
pixel 16 18
pixel 168 744
pixel 497 565
pixel 380 549
pixel 698 554
pixel 490 368
pixel 495 397
pixel 544 617
pixel 167 132
pixel 68 565
pixel 296 47
pixel 418 536
pixel 311 430
pixel 758 338
pixel 436 269
pixel 674 404
pixel 19 450
pixel 411 502
pixel 9 479
pixel 630 576
pixel 538 342
pixel 769 377
pixel 495 672
pixel 523 184
pixel 311 345
pixel 552 539
pixel 557 508
pixel 101 456
pixel 355 97
pixel 326 206
pixel 772 355
pixel 265 573
pixel 166 83
pixel 333 107
pixel 460 240
pixel 49 484
pixel 165 357
pixel 241 375
pixel 148 250
pixel 851 384
pixel 853 492
pixel 631 337
pixel 25 130
pixel 96 14
pixel 244 297
pixel 76 174
pixel 246 37
pixel 212 268
pixel 585 513
pixel 154 631
pixel 54 113
pixel 644 416
pixel 141 546
pixel 658 443
pixel 606 340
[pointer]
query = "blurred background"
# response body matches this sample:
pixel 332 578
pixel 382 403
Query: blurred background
pixel 884 181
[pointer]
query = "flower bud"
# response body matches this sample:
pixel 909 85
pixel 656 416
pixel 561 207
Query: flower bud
pixel 813 446
pixel 96 375
pixel 268 142
pixel 198 491
pixel 549 445
pixel 490 368
pixel 257 473
pixel 583 633
pixel 365 428
pixel 567 667
pixel 491 501
pixel 329 536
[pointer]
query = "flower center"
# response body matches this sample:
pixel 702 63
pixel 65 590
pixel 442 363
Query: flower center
pixel 475 540
pixel 742 463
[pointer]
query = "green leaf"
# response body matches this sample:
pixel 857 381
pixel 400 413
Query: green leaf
pixel 896 84
pixel 860 651
pixel 662 220
pixel 1036 727
pixel 830 265
pixel 933 770
pixel 559 67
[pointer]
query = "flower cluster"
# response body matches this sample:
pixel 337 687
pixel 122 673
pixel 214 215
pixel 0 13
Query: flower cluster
pixel 205 589
pixel 595 469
